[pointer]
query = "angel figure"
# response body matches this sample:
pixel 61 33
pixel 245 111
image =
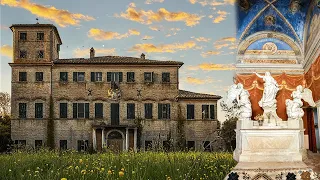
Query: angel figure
pixel 294 110
pixel 270 91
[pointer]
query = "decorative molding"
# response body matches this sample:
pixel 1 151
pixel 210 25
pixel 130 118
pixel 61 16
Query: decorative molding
pixel 269 61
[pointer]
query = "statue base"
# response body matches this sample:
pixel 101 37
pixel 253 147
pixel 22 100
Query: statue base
pixel 271 171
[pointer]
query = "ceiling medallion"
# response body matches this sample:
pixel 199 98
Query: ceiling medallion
pixel 269 20
pixel 270 46
pixel 244 4
pixel 295 6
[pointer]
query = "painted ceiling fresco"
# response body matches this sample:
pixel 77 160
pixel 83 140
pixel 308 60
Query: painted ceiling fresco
pixel 284 16
pixel 314 21
pixel 261 42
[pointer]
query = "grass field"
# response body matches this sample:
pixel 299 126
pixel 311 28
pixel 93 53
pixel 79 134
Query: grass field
pixel 145 165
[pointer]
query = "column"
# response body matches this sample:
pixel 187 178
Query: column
pixel 127 139
pixel 94 139
pixel 102 138
pixel 135 140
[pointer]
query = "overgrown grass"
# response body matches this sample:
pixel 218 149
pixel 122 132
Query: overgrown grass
pixel 145 165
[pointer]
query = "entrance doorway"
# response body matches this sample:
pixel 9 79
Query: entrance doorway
pixel 115 141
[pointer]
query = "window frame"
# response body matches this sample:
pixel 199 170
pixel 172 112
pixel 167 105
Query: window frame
pixel 23 78
pixel 130 77
pixel 61 79
pixel 20 111
pixel 76 76
pixel 40 54
pixel 164 111
pixel 131 111
pixel 166 77
pixel 146 80
pixel 65 146
pixel 61 114
pixel 95 111
pixel 39 77
pixel 86 110
pixel 147 105
pixel 148 146
pixel 38 114
pixel 193 115
pixel 20 37
pixel 39 36
pixel 23 54
pixel 208 115
pixel 36 144
pixel 83 146
pixel 96 77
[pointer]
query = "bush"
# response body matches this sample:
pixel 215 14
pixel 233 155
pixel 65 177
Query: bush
pixel 228 134
pixel 5 131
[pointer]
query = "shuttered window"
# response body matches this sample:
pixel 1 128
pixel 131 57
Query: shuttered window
pixel 38 110
pixel 130 111
pixel 165 77
pixel 64 76
pixel 78 76
pixel 80 110
pixel 22 110
pixel 39 76
pixel 208 112
pixel 63 110
pixel 22 76
pixel 163 111
pixel 114 76
pixel 98 110
pixel 96 76
pixel 190 111
pixel 83 145
pixel 63 144
pixel 130 76
pixel 148 111
pixel 212 115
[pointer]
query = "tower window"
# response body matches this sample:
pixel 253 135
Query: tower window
pixel 41 54
pixel 23 54
pixel 22 76
pixel 23 36
pixel 40 36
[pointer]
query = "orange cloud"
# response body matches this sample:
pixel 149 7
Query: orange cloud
pixel 169 48
pixel 192 80
pixel 225 42
pixel 153 1
pixel 101 35
pixel 210 53
pixel 202 39
pixel 222 16
pixel 154 28
pixel 213 2
pixel 62 17
pixel 148 17
pixel 211 67
pixel 86 52
pixel 6 50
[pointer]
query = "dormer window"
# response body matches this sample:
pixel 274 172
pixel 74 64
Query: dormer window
pixel 23 36
pixel 40 36
pixel 41 54
pixel 23 54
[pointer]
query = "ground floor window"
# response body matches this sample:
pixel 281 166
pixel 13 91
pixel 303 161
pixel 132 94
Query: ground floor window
pixel 148 145
pixel 207 146
pixel 83 145
pixel 38 144
pixel 166 145
pixel 191 145
pixel 63 144
pixel 20 143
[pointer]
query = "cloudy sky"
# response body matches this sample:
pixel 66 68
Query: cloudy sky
pixel 201 33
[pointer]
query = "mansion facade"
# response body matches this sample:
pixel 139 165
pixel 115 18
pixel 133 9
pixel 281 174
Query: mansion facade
pixel 118 102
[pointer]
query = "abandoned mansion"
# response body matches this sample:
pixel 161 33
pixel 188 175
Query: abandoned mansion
pixel 110 101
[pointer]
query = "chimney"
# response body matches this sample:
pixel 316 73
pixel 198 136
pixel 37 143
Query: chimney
pixel 92 53
pixel 143 56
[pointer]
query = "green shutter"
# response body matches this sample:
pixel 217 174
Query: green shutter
pixel 75 78
pixel 212 115
pixel 92 77
pixel 108 76
pixel 86 109
pixel 159 111
pixel 75 110
pixel 120 76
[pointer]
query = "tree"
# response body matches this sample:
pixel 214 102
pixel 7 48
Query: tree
pixel 228 134
pixel 4 103
pixel 5 131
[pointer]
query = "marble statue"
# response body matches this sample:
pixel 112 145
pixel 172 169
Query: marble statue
pixel 268 101
pixel 294 110
pixel 237 104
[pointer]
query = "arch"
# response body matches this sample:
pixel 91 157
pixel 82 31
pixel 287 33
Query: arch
pixel 242 47
pixel 115 130
pixel 122 139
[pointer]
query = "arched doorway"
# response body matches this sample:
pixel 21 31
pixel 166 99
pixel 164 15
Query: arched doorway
pixel 115 140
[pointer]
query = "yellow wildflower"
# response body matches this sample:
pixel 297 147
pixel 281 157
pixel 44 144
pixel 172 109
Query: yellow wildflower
pixel 121 173
pixel 102 169
pixel 109 172
pixel 122 169
pixel 63 178
pixel 80 161
pixel 83 171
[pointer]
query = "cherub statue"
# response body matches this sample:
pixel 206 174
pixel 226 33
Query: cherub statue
pixel 294 110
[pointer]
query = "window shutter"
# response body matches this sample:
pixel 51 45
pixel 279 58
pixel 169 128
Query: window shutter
pixel 108 76
pixel 86 110
pixel 75 110
pixel 159 111
pixel 120 76
pixel 152 76
pixel 168 111
pixel 212 116
pixel 92 77
pixel 75 79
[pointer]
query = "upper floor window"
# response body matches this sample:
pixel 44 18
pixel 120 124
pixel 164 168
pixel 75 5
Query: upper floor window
pixel 131 111
pixel 22 76
pixel 78 76
pixel 163 111
pixel 63 110
pixel 38 110
pixel 22 110
pixel 148 77
pixel 208 112
pixel 148 110
pixel 23 54
pixel 98 109
pixel 80 110
pixel 114 77
pixel 166 77
pixel 23 36
pixel 130 76
pixel 40 36
pixel 40 54
pixel 64 76
pixel 190 111
pixel 96 76
pixel 39 76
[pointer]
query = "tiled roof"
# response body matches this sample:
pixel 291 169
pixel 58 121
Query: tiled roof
pixel 192 95
pixel 115 60
pixel 38 25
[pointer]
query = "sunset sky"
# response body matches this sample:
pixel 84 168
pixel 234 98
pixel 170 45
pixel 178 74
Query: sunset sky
pixel 200 33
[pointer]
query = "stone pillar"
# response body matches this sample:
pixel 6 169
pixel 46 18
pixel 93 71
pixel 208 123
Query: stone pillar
pixel 102 138
pixel 94 139
pixel 127 139
pixel 135 140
